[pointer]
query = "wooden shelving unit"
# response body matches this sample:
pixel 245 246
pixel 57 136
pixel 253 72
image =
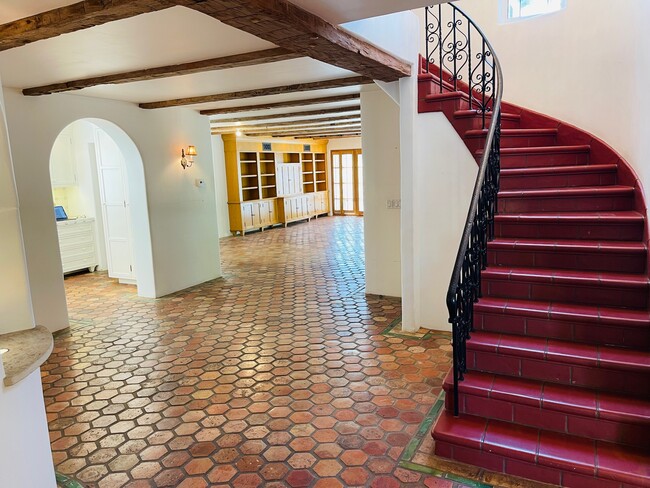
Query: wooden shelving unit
pixel 267 187
pixel 308 182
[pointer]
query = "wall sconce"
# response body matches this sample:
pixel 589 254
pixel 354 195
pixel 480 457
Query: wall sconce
pixel 187 159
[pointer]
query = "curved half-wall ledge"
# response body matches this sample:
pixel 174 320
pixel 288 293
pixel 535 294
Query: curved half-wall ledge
pixel 26 350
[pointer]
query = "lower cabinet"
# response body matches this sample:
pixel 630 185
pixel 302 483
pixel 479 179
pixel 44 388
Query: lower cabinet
pixel 259 214
pixel 77 244
pixel 249 216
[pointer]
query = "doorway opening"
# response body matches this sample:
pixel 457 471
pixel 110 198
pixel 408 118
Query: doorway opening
pixel 347 182
pixel 99 196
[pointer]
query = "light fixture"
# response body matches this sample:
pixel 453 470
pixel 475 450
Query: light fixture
pixel 238 133
pixel 187 159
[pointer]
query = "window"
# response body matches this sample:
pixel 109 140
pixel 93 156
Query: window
pixel 522 9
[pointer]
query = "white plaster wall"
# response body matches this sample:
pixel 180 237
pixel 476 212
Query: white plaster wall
pixel 221 188
pixel 588 65
pixel 339 143
pixel 380 137
pixel 437 178
pixel 445 172
pixel 25 456
pixel 183 218
pixel 15 301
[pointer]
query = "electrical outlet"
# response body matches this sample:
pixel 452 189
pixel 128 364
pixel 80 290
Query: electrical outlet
pixel 397 203
pixel 389 204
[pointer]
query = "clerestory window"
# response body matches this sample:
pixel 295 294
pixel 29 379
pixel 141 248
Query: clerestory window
pixel 522 9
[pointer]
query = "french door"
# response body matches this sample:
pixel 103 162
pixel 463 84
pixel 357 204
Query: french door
pixel 347 182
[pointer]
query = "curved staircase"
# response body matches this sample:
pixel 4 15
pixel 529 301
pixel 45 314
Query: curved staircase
pixel 557 387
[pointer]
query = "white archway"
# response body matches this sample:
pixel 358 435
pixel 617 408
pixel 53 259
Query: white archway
pixel 140 227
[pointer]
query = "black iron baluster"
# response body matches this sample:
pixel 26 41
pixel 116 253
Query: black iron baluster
pixel 440 45
pixel 484 85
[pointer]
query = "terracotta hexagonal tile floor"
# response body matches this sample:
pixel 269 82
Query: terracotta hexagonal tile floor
pixel 276 375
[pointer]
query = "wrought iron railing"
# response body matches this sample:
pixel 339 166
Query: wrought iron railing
pixel 453 57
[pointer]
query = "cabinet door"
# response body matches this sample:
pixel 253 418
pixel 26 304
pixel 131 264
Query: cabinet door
pixel 296 178
pixel 264 213
pixel 272 217
pixel 247 215
pixel 311 204
pixel 62 163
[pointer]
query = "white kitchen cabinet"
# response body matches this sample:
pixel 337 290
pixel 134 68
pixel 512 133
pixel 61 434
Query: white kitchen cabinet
pixel 63 169
pixel 77 244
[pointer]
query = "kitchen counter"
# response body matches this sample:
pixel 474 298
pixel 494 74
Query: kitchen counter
pixel 26 350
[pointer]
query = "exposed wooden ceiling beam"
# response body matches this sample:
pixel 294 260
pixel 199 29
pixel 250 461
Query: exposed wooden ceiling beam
pixel 334 136
pixel 225 62
pixel 290 103
pixel 70 18
pixel 261 92
pixel 278 21
pixel 286 129
pixel 289 26
pixel 293 122
pixel 338 110
pixel 305 133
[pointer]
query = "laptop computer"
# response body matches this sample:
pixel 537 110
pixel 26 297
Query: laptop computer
pixel 59 213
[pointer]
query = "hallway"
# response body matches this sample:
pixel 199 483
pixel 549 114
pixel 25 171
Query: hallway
pixel 282 373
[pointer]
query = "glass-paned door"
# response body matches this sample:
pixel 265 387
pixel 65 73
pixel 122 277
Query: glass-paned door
pixel 347 182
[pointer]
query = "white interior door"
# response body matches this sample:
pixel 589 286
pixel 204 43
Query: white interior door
pixel 114 194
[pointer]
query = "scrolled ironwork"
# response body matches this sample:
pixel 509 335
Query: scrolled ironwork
pixel 478 76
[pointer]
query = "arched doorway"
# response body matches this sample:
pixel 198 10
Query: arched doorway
pixel 98 183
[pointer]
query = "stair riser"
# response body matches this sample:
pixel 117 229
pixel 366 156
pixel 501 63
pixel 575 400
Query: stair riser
pixel 533 416
pixel 448 107
pixel 606 295
pixel 594 203
pixel 612 232
pixel 557 181
pixel 585 261
pixel 632 382
pixel 542 160
pixel 583 332
pixel 515 467
pixel 463 124
pixel 475 143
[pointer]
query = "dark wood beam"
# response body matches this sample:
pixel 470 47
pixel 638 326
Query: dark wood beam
pixel 296 128
pixel 225 62
pixel 334 136
pixel 338 110
pixel 80 15
pixel 261 92
pixel 289 26
pixel 278 21
pixel 305 133
pixel 290 103
pixel 292 122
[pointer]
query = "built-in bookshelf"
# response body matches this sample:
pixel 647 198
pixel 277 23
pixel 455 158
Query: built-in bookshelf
pixel 273 183
pixel 267 175
pixel 249 174
pixel 320 172
pixel 308 183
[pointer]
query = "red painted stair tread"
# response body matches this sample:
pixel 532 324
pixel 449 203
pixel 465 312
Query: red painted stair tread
pixel 558 380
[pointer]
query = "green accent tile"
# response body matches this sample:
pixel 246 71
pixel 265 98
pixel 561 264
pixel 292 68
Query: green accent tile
pixel 412 447
pixel 62 481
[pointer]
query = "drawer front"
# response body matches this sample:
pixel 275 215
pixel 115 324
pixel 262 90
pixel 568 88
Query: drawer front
pixel 76 240
pixel 78 228
pixel 76 252
pixel 80 262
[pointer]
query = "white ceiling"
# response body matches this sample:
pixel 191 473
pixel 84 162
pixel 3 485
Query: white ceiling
pixel 172 36
pixel 139 42
pixel 334 11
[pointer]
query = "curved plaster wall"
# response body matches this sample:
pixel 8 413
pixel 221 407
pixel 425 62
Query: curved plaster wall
pixel 182 216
